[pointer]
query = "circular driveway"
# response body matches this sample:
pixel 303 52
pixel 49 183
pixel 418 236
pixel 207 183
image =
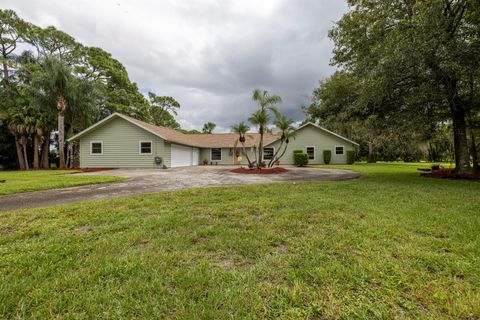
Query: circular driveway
pixel 157 180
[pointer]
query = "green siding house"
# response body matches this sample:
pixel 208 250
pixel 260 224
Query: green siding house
pixel 119 141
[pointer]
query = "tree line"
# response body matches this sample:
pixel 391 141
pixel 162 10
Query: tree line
pixel 52 83
pixel 408 80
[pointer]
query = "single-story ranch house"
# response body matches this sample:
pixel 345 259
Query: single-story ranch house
pixel 119 141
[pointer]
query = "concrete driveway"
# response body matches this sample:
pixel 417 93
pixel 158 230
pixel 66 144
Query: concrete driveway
pixel 158 180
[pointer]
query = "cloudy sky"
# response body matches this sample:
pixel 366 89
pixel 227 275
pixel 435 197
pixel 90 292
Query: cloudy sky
pixel 207 54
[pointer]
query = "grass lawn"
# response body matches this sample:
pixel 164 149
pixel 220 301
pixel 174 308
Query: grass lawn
pixel 388 245
pixel 25 181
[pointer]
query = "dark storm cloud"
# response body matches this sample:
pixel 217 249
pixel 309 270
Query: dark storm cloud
pixel 208 54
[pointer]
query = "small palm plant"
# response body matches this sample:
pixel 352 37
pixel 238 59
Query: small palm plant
pixel 285 125
pixel 241 129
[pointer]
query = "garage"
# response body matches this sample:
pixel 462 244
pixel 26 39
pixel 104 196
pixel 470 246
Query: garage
pixel 181 156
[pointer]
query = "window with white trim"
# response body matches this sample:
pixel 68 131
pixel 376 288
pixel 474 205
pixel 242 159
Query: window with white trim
pixel 145 147
pixel 339 149
pixel 311 152
pixel 268 153
pixel 216 154
pixel 96 147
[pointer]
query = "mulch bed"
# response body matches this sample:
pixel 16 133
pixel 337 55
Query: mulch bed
pixel 275 170
pixel 450 174
pixel 89 169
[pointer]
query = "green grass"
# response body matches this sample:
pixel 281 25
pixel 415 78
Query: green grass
pixel 35 180
pixel 388 245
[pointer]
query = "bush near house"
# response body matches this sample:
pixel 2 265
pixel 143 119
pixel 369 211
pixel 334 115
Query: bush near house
pixel 327 156
pixel 300 158
pixel 350 157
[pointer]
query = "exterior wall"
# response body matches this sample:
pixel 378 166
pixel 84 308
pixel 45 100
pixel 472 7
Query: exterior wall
pixel 121 147
pixel 312 136
pixel 227 157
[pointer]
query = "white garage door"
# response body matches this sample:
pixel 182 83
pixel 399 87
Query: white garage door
pixel 181 156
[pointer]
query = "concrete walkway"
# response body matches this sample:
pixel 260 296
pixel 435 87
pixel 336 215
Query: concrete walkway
pixel 157 180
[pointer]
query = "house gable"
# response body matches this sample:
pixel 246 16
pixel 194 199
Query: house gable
pixel 120 143
pixel 320 139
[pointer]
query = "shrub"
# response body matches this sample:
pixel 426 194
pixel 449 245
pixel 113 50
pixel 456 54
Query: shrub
pixel 350 157
pixel 327 156
pixel 297 151
pixel 300 159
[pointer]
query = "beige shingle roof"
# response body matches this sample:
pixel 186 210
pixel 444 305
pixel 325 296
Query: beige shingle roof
pixel 213 140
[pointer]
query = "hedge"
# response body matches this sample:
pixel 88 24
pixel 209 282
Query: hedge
pixel 327 156
pixel 300 159
pixel 350 157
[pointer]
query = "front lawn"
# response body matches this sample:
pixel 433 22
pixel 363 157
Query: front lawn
pixel 388 245
pixel 35 180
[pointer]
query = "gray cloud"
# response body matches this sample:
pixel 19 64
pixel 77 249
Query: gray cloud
pixel 208 54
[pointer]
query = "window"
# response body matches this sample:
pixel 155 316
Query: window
pixel 311 152
pixel 268 153
pixel 145 147
pixel 216 154
pixel 339 149
pixel 96 147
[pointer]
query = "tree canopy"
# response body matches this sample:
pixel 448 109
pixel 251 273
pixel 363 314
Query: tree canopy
pixel 406 67
pixel 52 83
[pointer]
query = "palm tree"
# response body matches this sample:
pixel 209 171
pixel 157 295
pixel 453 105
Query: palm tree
pixel 288 132
pixel 241 129
pixel 54 85
pixel 21 127
pixel 208 127
pixel 261 118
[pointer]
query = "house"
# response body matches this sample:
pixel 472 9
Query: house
pixel 119 141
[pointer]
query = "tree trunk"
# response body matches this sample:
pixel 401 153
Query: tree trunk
pixel 20 158
pixel 61 107
pixel 76 154
pixel 272 161
pixel 260 149
pixel 462 156
pixel 69 156
pixel 371 155
pixel 36 143
pixel 5 70
pixel 474 152
pixel 283 153
pixel 24 148
pixel 246 154
pixel 46 151
pixel 457 112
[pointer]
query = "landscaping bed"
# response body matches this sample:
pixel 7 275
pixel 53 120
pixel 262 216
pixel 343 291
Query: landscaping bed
pixel 450 174
pixel 275 170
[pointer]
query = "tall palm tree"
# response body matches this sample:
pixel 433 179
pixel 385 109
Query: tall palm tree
pixel 241 129
pixel 54 85
pixel 261 118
